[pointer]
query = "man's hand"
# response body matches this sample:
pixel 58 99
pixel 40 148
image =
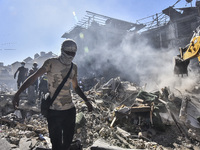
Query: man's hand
pixel 89 106
pixel 15 101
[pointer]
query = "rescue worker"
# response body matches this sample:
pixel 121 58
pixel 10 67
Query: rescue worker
pixel 22 74
pixel 62 114
pixel 43 86
pixel 31 91
pixel 35 68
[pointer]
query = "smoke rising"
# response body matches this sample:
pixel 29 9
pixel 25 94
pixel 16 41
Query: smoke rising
pixel 132 58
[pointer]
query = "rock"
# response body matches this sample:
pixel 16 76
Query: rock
pixel 14 140
pixel 18 113
pixel 123 132
pixel 29 134
pixel 196 147
pixel 80 120
pixel 25 143
pixel 4 144
pixel 100 144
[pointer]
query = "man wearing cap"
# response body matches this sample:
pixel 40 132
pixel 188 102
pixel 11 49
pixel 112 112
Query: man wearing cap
pixel 21 75
pixel 62 113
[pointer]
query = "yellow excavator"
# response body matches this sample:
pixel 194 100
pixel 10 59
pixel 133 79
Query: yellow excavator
pixel 192 50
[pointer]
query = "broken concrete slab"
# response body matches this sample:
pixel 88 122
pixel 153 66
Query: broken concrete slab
pixel 25 143
pixel 101 144
pixel 193 112
pixel 4 144
pixel 123 132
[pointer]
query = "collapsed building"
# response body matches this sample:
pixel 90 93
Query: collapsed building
pixel 126 114
pixel 6 78
pixel 125 117
pixel 105 37
pixel 7 81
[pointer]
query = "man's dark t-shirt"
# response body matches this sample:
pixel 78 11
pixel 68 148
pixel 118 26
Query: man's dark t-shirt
pixel 22 73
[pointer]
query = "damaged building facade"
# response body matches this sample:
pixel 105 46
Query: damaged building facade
pixel 126 116
pixel 7 81
pixel 178 30
pixel 95 33
pixel 99 36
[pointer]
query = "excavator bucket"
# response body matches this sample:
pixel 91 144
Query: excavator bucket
pixel 181 66
pixel 191 50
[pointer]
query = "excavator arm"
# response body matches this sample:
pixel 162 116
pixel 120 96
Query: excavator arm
pixel 186 54
pixel 193 50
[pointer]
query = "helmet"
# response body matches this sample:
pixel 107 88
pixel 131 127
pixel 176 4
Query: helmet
pixel 23 62
pixel 35 64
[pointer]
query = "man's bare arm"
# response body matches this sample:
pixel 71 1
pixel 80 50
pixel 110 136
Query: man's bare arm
pixel 81 94
pixel 30 80
pixel 16 73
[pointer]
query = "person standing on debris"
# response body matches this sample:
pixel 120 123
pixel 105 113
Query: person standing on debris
pixel 62 114
pixel 35 68
pixel 21 75
pixel 31 91
pixel 43 86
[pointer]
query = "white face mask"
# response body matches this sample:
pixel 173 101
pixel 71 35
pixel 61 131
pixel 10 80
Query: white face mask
pixel 66 59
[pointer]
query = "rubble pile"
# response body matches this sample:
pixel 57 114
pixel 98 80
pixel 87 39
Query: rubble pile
pixel 125 116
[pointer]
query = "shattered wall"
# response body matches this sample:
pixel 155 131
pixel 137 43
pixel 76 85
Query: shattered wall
pixel 110 51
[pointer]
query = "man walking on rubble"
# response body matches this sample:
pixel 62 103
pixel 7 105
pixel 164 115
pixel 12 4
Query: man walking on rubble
pixel 31 91
pixel 62 114
pixel 21 75
pixel 35 68
pixel 43 86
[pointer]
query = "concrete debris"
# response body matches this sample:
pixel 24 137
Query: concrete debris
pixel 100 144
pixel 125 117
pixel 4 144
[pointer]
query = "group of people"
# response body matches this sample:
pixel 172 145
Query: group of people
pixel 36 89
pixel 62 113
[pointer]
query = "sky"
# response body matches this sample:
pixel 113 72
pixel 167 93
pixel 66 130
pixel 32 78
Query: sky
pixel 31 26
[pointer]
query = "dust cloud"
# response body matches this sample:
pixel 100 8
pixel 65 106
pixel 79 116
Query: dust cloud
pixel 133 59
